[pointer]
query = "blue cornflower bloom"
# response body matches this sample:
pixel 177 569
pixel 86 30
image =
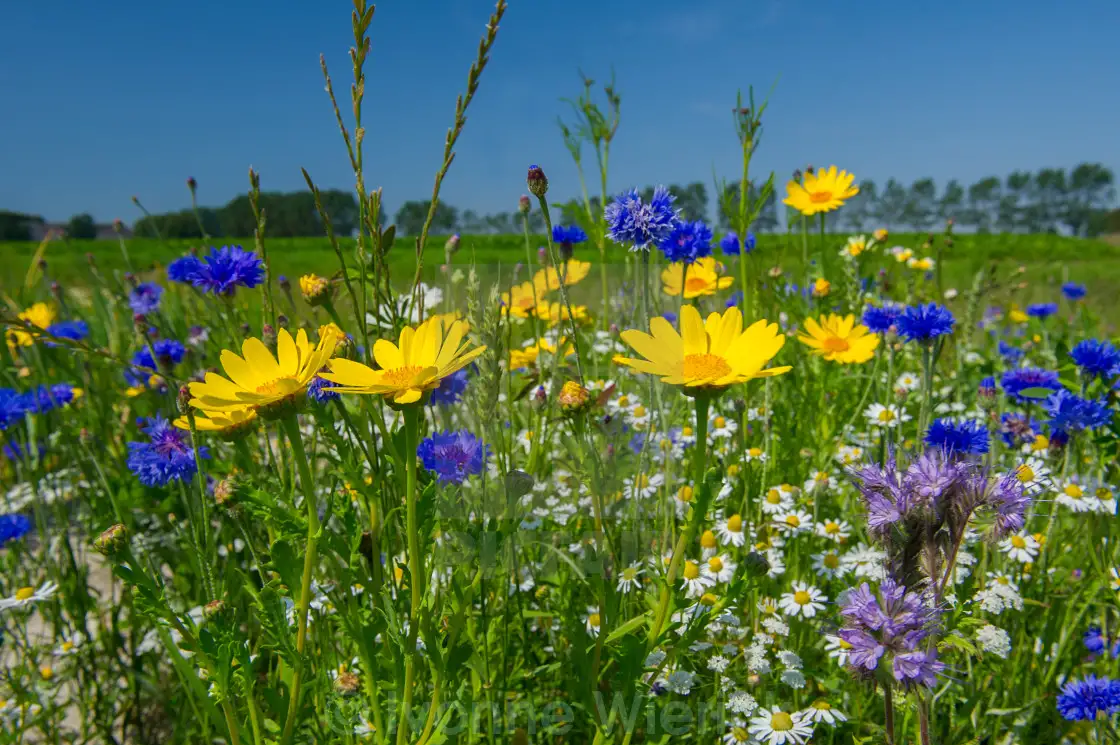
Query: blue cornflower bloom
pixel 13 527
pixel 450 389
pixel 1097 358
pixel 13 407
pixel 15 451
pixel 453 456
pixel 1010 353
pixel 74 330
pixel 1020 379
pixel 732 246
pixel 1042 310
pixel 47 397
pixel 1071 413
pixel 735 299
pixel 688 242
pixel 166 457
pixel 670 316
pixel 568 235
pixel 169 351
pixel 1082 700
pixel 967 437
pixel 144 298
pixel 924 323
pixel 630 220
pixel 316 389
pixel 225 269
pixel 1094 640
pixel 987 387
pixel 1073 291
pixel 184 269
pixel 880 320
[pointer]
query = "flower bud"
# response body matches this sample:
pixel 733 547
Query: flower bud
pixel 192 184
pixel 112 541
pixel 542 254
pixel 284 282
pixel 756 565
pixel 225 491
pixel 523 205
pixel 573 396
pixel 184 399
pixel 316 290
pixel 213 609
pixel 347 684
pixel 268 335
pixel 537 181
pixel 451 246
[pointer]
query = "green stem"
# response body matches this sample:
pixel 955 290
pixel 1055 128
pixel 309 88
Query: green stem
pixel 415 566
pixel 291 428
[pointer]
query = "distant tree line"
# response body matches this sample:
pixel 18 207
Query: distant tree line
pixel 291 215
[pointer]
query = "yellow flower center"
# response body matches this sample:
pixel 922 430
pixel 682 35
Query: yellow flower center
pixel 1041 442
pixel 708 539
pixel 715 564
pixel 623 401
pixel 629 573
pixel 773 496
pixel 721 422
pixel 1018 542
pixel 1003 580
pixel 593 620
pixel 401 377
pixel 1103 493
pixel 755 452
pixel 821 704
pixel 819 197
pixel 886 415
pixel 708 599
pixel 25 593
pixel 67 646
pixel 1025 474
pixel 705 366
pixel 733 469
pixel 831 528
pixel 832 561
pixel 46 672
pixel 793 521
pixel 1040 538
pixel 740 734
pixel 735 524
pixel 845 644
pixel 1073 491
pixel 781 722
pixel 691 571
pixel 696 284
pixel 801 597
pixel 686 432
pixel 685 494
pixel 641 481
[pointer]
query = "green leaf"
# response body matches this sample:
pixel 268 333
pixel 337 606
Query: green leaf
pixel 287 564
pixel 1037 393
pixel 627 627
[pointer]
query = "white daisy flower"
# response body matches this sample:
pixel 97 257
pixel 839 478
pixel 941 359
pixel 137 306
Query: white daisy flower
pixel 642 485
pixel 1021 547
pixel 628 578
pixel 754 455
pixel 907 382
pixel 777 727
pixel 794 522
pixel 822 711
pixel 776 501
pixel 69 644
pixel 694 583
pixel 1073 496
pixel 834 530
pixel 820 480
pixel 828 564
pixel 26 596
pixel 737 734
pixel 722 428
pixel 804 601
pixel 849 454
pixel 593 621
pixel 886 417
pixel 719 569
pixel 756 413
pixel 1034 474
pixel 730 531
pixel 837 649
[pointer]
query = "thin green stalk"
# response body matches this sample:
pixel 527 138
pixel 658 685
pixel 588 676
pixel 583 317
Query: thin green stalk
pixel 290 425
pixel 415 566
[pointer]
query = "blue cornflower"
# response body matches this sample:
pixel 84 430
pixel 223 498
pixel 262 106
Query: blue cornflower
pixel 1020 379
pixel 1073 291
pixel 316 389
pixel 1096 358
pixel 13 407
pixel 1042 310
pixel 47 397
pixel 15 451
pixel 166 457
pixel 1016 429
pixel 1010 353
pixel 880 320
pixel 670 316
pixel 227 268
pixel 169 351
pixel 144 298
pixel 637 442
pixel 1071 413
pixel 630 220
pixel 987 387
pixel 568 235
pixel 732 246
pixel 74 330
pixel 450 389
pixel 924 323
pixel 735 299
pixel 967 437
pixel 184 269
pixel 688 242
pixel 1082 700
pixel 1094 640
pixel 13 527
pixel 453 456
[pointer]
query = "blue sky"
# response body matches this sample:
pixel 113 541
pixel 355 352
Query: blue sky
pixel 107 100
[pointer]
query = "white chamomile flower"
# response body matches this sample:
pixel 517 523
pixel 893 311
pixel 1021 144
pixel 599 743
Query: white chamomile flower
pixel 642 485
pixel 777 727
pixel 1034 474
pixel 907 382
pixel 834 530
pixel 593 621
pixel 694 582
pixel 365 729
pixel 837 649
pixel 719 568
pixel 754 455
pixel 680 682
pixel 1021 547
pixel 26 596
pixel 822 711
pixel 682 499
pixel 820 481
pixel 69 644
pixel 776 500
pixel 730 531
pixel 804 601
pixel 722 428
pixel 849 454
pixel 629 578
pixel 718 663
pixel 886 417
pixel 794 522
pixel 828 564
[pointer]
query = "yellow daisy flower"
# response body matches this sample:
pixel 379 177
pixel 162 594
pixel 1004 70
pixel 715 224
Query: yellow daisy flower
pixel 554 313
pixel 522 299
pixel 712 354
pixel 823 191
pixel 223 423
pixel 573 272
pixel 40 315
pixel 260 381
pixel 821 287
pixel 424 356
pixel 1017 315
pixel 315 289
pixel 839 339
pixel 701 278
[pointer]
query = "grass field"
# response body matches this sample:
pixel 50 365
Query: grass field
pixel 1047 260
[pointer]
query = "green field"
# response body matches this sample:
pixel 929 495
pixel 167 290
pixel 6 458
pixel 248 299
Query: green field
pixel 1047 260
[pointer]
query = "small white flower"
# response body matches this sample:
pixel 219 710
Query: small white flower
pixel 741 702
pixel 837 649
pixel 822 711
pixel 593 621
pixel 777 727
pixel 907 382
pixel 731 530
pixel 777 500
pixel 694 582
pixel 718 663
pixel 681 682
pixel 793 678
pixel 719 569
pixel 886 417
pixel 804 601
pixel 1021 547
pixel 794 522
pixel 995 640
pixel 829 564
pixel 642 485
pixel 69 644
pixel 26 596
pixel 836 530
pixel 628 578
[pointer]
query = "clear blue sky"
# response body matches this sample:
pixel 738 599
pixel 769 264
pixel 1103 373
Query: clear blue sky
pixel 106 100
